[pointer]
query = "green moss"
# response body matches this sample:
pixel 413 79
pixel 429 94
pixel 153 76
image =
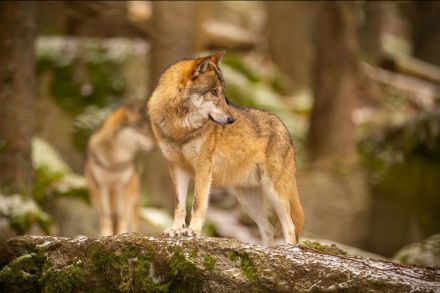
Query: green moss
pixel 134 266
pixel 233 256
pixel 181 269
pixel 179 264
pixel 143 278
pixel 64 279
pixel 193 253
pixel 22 274
pixel 248 269
pixel 333 249
pixel 102 260
pixel 208 262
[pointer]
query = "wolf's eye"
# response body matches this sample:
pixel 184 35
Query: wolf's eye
pixel 214 92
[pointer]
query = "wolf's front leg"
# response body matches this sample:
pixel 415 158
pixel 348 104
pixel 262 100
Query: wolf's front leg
pixel 180 180
pixel 201 199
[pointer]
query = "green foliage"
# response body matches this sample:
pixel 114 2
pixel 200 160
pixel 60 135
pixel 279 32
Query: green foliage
pixel 53 177
pixel 78 80
pixel 48 184
pixel 22 212
pixel 86 123
pixel 425 253
pixel 44 181
pixel 404 162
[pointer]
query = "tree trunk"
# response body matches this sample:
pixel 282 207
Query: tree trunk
pixel 17 64
pixel 373 27
pixel 426 30
pixel 172 35
pixel 135 263
pixel 331 132
pixel 287 33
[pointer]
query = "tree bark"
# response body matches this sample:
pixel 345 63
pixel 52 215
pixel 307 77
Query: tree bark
pixel 288 36
pixel 172 35
pixel 172 39
pixel 17 70
pixel 425 33
pixel 96 19
pixel 136 263
pixel 373 27
pixel 331 132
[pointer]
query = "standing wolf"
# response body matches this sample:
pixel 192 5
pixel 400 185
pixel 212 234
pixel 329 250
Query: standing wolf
pixel 110 170
pixel 246 150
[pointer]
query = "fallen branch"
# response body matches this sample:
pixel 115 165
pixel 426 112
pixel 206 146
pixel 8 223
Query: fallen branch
pixel 420 92
pixel 135 263
pixel 412 66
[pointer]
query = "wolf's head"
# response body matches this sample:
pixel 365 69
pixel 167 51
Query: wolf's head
pixel 202 88
pixel 135 127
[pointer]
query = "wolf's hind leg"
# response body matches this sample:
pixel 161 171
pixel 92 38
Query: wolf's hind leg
pixel 128 206
pixel 252 202
pixel 134 206
pixel 105 217
pixel 180 180
pixel 100 200
pixel 279 198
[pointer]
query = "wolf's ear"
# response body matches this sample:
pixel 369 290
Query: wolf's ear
pixel 218 56
pixel 201 67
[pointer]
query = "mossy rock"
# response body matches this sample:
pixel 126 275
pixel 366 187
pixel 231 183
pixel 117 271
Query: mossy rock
pixel 426 252
pixel 136 263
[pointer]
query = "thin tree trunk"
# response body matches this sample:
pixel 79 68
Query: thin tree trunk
pixel 374 16
pixel 425 33
pixel 331 132
pixel 172 35
pixel 17 63
pixel 287 32
pixel 135 263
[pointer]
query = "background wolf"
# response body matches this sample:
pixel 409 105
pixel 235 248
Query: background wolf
pixel 110 170
pixel 246 150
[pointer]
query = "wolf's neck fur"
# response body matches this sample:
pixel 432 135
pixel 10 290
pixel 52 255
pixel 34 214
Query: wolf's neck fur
pixel 175 120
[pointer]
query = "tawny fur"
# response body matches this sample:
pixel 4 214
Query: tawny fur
pixel 246 150
pixel 110 170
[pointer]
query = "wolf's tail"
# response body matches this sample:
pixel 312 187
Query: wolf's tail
pixel 296 210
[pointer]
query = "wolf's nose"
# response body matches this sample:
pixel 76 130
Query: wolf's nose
pixel 230 120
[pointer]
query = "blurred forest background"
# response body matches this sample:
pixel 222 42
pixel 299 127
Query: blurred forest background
pixel 356 83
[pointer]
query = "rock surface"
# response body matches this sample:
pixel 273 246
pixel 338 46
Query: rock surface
pixel 138 263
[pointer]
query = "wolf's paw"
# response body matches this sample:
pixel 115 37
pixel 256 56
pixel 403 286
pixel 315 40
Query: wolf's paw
pixel 189 232
pixel 171 232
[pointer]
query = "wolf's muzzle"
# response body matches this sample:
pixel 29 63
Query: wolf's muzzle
pixel 221 119
pixel 230 120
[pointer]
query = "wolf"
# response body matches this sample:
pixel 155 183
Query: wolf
pixel 245 150
pixel 110 170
